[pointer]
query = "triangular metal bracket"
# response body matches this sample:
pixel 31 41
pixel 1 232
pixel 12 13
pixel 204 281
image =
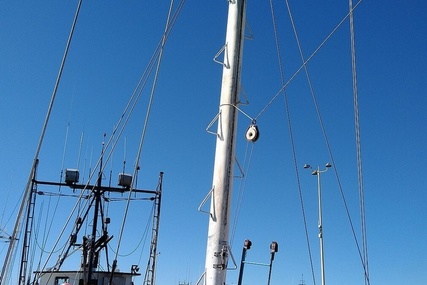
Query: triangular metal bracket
pixel 226 62
pixel 250 36
pixel 202 278
pixel 245 97
pixel 204 202
pixel 216 118
pixel 242 174
pixel 232 258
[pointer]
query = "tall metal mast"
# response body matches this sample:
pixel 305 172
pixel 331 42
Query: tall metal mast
pixel 219 220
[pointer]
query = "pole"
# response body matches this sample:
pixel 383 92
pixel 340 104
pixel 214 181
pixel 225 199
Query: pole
pixel 274 247
pixel 217 249
pixel 92 262
pixel 317 172
pixel 322 260
pixel 246 246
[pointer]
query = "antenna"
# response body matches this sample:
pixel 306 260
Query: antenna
pixel 124 156
pixel 302 280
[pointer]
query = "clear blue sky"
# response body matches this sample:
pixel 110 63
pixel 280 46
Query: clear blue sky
pixel 112 44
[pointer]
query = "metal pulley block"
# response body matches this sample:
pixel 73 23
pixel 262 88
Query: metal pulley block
pixel 252 134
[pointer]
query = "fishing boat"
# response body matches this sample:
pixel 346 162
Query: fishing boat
pixel 219 257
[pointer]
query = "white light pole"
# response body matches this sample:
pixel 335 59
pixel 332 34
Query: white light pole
pixel 317 172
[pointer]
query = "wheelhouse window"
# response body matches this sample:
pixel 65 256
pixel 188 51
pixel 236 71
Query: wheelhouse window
pixel 61 280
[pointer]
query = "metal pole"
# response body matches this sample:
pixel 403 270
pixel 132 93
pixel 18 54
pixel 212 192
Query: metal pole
pixel 320 224
pixel 274 247
pixel 246 246
pixel 217 249
pixel 322 260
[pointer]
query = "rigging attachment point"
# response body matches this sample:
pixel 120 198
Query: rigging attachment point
pixel 252 134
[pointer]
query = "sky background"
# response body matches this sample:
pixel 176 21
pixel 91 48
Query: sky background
pixel 112 44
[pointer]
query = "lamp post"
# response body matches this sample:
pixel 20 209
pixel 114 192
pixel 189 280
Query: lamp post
pixel 317 172
pixel 247 245
pixel 274 247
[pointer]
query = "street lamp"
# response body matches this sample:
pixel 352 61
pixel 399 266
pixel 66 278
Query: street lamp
pixel 317 172
pixel 274 247
pixel 246 246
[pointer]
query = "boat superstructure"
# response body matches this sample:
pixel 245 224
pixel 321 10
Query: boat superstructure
pixel 90 233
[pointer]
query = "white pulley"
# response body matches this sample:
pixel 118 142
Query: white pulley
pixel 252 134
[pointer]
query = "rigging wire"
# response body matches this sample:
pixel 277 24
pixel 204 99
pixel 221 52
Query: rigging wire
pixel 284 85
pixel 37 227
pixel 291 137
pixel 77 205
pixel 127 108
pixel 305 62
pixel 119 127
pixel 125 116
pixel 47 231
pixel 80 150
pixel 87 204
pixel 358 148
pixel 242 186
pixel 326 137
pixel 6 201
pixel 169 24
pixel 142 240
pixel 11 249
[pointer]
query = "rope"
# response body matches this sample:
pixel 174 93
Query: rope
pixel 358 148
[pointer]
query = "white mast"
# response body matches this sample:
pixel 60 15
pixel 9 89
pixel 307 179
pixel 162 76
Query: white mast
pixel 219 221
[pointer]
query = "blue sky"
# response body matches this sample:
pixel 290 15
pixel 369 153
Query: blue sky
pixel 112 44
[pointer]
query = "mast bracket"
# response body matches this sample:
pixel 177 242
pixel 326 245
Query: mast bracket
pixel 223 255
pixel 226 62
pixel 212 215
pixel 218 116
